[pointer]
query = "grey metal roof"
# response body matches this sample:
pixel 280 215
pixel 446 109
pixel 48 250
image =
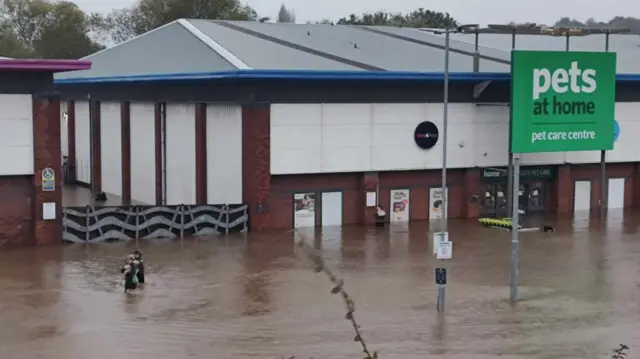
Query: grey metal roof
pixel 166 50
pixel 347 42
pixel 188 46
pixel 261 54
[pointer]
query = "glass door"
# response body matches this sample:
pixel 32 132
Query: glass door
pixel 493 201
pixel 536 195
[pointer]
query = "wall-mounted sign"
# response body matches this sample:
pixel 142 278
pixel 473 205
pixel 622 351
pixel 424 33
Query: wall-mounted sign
pixel 426 135
pixel 304 210
pixel 532 173
pixel 399 205
pixel 616 130
pixel 48 180
pixel 562 101
pixel 436 203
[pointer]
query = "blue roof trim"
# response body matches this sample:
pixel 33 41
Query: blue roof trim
pixel 313 75
pixel 294 75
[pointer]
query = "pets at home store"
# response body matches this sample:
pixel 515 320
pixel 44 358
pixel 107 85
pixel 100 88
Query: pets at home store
pixel 535 186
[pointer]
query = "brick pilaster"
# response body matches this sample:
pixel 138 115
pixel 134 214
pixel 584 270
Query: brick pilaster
pixel 47 154
pixel 564 190
pixel 256 164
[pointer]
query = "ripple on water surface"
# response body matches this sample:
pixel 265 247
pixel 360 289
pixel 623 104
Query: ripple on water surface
pixel 251 298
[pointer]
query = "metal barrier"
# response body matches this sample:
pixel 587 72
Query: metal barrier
pixel 98 224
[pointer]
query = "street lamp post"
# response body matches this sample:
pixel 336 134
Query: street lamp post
pixel 445 117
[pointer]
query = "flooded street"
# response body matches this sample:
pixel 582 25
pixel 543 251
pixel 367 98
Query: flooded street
pixel 241 298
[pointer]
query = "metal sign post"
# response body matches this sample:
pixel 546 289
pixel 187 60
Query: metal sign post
pixel 515 232
pixel 441 282
pixel 510 170
pixel 444 251
pixel 603 158
pixel 445 200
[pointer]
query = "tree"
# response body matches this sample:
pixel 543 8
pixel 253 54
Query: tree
pixel 416 19
pixel 632 23
pixel 49 29
pixel 321 22
pixel 286 15
pixel 146 15
pixel 10 45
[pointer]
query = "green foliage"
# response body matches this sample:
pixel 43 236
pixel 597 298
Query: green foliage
pixel 146 15
pixel 619 21
pixel 286 15
pixel 416 19
pixel 46 29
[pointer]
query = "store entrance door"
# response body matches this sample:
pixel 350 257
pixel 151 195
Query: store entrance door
pixel 494 201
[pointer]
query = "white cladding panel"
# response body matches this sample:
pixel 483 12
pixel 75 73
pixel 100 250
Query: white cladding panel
pixel 64 123
pixel 143 149
pixel 111 147
pixel 317 138
pixel 181 154
pixel 224 154
pixel 627 147
pixel 83 142
pixel 16 136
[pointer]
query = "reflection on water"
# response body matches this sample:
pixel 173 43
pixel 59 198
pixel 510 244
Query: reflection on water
pixel 251 298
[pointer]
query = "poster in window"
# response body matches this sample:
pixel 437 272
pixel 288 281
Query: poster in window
pixel 399 208
pixel 304 210
pixel 436 202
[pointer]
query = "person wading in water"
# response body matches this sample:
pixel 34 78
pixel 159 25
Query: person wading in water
pixel 138 257
pixel 130 271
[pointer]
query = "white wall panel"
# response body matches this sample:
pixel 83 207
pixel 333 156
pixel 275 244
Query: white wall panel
pixel 83 142
pixel 627 147
pixel 296 138
pixel 64 127
pixel 345 137
pixel 143 147
pixel 316 138
pixel 393 131
pixel 181 154
pixel 224 154
pixel 16 136
pixel 460 133
pixel 111 147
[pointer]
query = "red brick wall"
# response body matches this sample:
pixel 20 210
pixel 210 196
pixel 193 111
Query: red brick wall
pixel 157 135
pixel 16 210
pixel 369 183
pixel 71 138
pixel 256 167
pixel 201 152
pixel 284 187
pixel 592 173
pixel 47 154
pixel 419 184
pixel 354 187
pixel 96 138
pixel 125 133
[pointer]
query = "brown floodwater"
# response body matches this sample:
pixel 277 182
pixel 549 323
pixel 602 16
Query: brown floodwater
pixel 250 297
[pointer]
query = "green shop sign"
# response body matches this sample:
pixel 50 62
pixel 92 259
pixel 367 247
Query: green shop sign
pixel 562 101
pixel 534 173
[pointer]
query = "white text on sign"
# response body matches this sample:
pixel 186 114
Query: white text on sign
pixel 562 135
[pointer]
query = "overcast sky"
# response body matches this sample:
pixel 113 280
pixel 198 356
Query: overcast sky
pixel 467 11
